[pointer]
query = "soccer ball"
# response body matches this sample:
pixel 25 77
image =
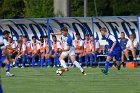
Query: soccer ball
pixel 59 72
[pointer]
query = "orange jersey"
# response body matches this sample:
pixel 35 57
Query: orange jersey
pixel 78 43
pixel 12 45
pixel 35 47
pixel 87 46
pixel 56 46
pixel 42 48
pixel 27 47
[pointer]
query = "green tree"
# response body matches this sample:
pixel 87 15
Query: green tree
pixel 38 8
pixel 11 8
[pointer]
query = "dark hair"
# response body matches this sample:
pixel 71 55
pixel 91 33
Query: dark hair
pixel 53 36
pixel 6 32
pixel 123 33
pixel 33 37
pixel 64 29
pixel 77 34
pixel 103 29
pixel 24 36
pixel 9 37
pixel 87 35
pixel 46 36
pixel 41 36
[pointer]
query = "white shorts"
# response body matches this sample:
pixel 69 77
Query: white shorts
pixel 71 52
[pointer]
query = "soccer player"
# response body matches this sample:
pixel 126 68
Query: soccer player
pixel 26 51
pixel 55 50
pixel 48 52
pixel 114 49
pixel 67 49
pixel 132 47
pixel 79 47
pixel 35 49
pixel 1 44
pixel 88 50
pixel 6 59
pixel 123 43
pixel 41 51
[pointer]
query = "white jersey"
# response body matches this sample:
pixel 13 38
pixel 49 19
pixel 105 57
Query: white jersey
pixel 135 43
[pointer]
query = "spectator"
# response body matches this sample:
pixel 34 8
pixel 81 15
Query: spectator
pixel 131 47
pixel 123 43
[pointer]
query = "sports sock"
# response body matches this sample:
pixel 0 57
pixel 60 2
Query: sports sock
pixel 78 66
pixel 63 63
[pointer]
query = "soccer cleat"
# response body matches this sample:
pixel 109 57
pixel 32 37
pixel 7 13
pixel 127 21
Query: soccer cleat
pixel 84 73
pixel 103 71
pixel 22 67
pixel 16 67
pixel 119 67
pixel 8 74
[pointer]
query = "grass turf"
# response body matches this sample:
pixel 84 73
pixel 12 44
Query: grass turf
pixel 41 80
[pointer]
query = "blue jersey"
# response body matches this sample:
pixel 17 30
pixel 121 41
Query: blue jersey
pixel 123 43
pixel 111 39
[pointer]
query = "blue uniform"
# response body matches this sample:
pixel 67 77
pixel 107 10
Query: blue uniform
pixel 123 43
pixel 117 50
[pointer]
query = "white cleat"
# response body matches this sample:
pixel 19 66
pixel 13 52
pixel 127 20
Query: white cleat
pixel 22 67
pixel 16 67
pixel 8 74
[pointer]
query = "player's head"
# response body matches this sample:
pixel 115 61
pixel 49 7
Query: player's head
pixel 103 31
pixel 122 35
pixel 20 37
pixel 54 38
pixel 10 40
pixel 42 39
pixel 78 37
pixel 87 37
pixel 6 34
pixel 132 37
pixel 24 38
pixel 64 31
pixel 46 38
pixel 34 39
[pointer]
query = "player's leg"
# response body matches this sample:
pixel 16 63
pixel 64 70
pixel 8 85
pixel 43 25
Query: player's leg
pixel 61 59
pixel 23 60
pixel 47 60
pixel 86 60
pixel 122 58
pixel 118 59
pixel 127 53
pixel 134 53
pixel 80 58
pixel 91 59
pixel 105 70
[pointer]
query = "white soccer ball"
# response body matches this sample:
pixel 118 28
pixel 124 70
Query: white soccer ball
pixel 59 72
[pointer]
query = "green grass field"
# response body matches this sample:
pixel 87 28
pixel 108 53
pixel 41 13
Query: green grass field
pixel 41 80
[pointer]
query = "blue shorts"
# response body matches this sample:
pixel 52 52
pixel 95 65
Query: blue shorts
pixel 2 59
pixel 116 54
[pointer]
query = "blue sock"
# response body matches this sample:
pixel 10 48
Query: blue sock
pixel 55 61
pixel 39 62
pixel 49 62
pixel 42 61
pixel 91 60
pixel 7 67
pixel 17 62
pixel 86 60
pixel 106 66
pixel 33 62
pixel 23 60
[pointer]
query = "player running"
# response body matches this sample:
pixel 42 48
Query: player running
pixel 6 59
pixel 67 50
pixel 114 49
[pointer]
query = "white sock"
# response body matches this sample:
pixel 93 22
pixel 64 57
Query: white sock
pixel 63 63
pixel 78 66
pixel 134 58
pixel 127 58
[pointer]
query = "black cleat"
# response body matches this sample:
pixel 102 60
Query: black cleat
pixel 103 71
pixel 119 67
